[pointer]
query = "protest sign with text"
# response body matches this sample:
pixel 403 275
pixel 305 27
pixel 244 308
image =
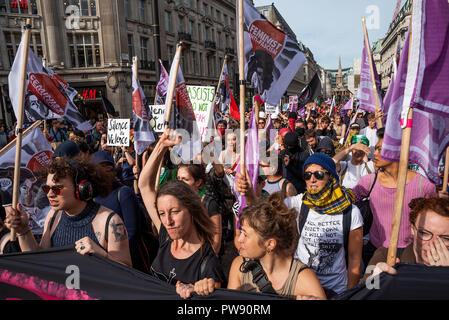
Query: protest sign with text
pixel 118 132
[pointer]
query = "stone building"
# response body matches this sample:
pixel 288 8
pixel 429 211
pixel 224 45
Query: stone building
pixel 90 43
pixel 395 37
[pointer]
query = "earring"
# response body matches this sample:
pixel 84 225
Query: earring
pixel 269 251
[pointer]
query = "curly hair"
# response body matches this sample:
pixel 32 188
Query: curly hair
pixel 79 169
pixel 421 205
pixel 189 199
pixel 271 218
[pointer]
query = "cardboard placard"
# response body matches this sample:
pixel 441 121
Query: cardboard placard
pixel 118 132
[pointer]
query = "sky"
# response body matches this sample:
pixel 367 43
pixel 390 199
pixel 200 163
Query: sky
pixel 333 28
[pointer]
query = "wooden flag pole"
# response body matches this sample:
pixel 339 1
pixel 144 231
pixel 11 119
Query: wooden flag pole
pixel 25 133
pixel 19 127
pixel 446 170
pixel 171 91
pixel 242 88
pixel 402 178
pixel 376 96
pixel 256 112
pixel 400 191
pixel 218 86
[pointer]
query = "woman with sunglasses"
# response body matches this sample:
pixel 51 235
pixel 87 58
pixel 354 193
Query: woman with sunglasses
pixel 429 220
pixel 330 226
pixel 74 217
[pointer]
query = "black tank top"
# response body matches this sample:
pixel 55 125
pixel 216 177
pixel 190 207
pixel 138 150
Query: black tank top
pixel 71 229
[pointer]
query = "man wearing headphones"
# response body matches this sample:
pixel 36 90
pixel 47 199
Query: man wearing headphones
pixel 75 219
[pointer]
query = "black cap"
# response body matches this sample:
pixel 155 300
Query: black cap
pixel 291 139
pixel 67 149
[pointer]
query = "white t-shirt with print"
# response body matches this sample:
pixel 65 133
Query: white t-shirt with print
pixel 321 244
pixel 354 173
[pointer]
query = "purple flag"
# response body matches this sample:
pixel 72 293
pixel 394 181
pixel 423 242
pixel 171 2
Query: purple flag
pixel 366 93
pixel 347 106
pixel 251 159
pixel 302 112
pixel 162 86
pixel 428 76
pixel 430 131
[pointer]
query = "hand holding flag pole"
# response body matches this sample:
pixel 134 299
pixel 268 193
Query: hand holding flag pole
pixel 19 127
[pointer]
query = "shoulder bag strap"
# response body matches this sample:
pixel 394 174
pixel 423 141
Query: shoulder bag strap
pixel 347 220
pixel 372 185
pixel 106 228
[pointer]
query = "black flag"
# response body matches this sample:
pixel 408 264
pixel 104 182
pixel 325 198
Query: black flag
pixel 310 92
pixel 108 107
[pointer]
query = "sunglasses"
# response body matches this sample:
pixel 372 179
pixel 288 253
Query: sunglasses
pixel 319 175
pixel 56 189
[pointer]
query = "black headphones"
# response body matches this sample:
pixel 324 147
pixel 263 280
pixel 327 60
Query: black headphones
pixel 83 188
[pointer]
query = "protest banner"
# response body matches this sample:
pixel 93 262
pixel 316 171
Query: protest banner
pixel 293 103
pixel 118 132
pixel 157 122
pixel 202 99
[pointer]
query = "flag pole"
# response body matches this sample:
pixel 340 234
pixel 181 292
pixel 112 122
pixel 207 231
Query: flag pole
pixel 446 171
pixel 25 133
pixel 218 86
pixel 171 92
pixel 402 177
pixel 368 48
pixel 242 88
pixel 19 127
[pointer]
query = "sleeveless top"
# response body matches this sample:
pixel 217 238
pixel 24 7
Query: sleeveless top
pixel 287 290
pixel 273 187
pixel 71 229
pixel 338 130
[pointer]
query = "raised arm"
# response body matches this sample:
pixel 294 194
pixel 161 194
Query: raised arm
pixel 148 175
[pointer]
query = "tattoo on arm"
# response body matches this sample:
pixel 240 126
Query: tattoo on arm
pixel 98 235
pixel 119 231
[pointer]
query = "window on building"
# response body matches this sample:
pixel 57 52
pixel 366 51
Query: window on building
pixel 168 21
pixel 181 24
pixel 19 6
pixel 227 41
pixel 207 34
pixel 130 46
pixel 194 61
pixel 189 3
pixel 232 43
pixel 225 19
pixel 144 50
pixel 232 22
pixel 37 45
pixel 127 9
pixel 12 43
pixel 218 39
pixel 170 54
pixel 84 50
pixel 199 32
pixel 191 28
pixel 86 7
pixel 141 10
pixel 205 9
pixel 3 6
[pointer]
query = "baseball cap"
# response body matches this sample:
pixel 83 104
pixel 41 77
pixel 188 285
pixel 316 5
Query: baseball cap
pixel 360 138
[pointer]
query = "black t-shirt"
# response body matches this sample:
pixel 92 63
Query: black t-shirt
pixel 168 268
pixel 211 205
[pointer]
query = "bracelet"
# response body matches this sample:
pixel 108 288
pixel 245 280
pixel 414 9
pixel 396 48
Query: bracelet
pixel 25 233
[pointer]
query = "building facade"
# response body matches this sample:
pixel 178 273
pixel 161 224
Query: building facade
pixel 90 43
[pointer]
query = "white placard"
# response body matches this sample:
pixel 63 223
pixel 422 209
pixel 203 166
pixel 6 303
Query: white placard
pixel 202 103
pixel 271 109
pixel 157 112
pixel 118 132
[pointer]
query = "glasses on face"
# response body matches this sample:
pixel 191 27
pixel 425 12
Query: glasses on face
pixel 319 175
pixel 425 235
pixel 56 189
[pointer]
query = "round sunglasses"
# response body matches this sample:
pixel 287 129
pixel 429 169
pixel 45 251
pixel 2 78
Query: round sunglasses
pixel 319 175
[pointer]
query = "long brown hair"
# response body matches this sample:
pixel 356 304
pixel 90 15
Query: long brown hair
pixel 189 199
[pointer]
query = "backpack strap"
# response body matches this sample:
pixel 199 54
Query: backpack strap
pixel 303 213
pixel 347 219
pixel 260 278
pixel 52 220
pixel 106 228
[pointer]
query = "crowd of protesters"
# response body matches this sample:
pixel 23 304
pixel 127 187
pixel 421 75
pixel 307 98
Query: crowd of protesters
pixel 303 234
